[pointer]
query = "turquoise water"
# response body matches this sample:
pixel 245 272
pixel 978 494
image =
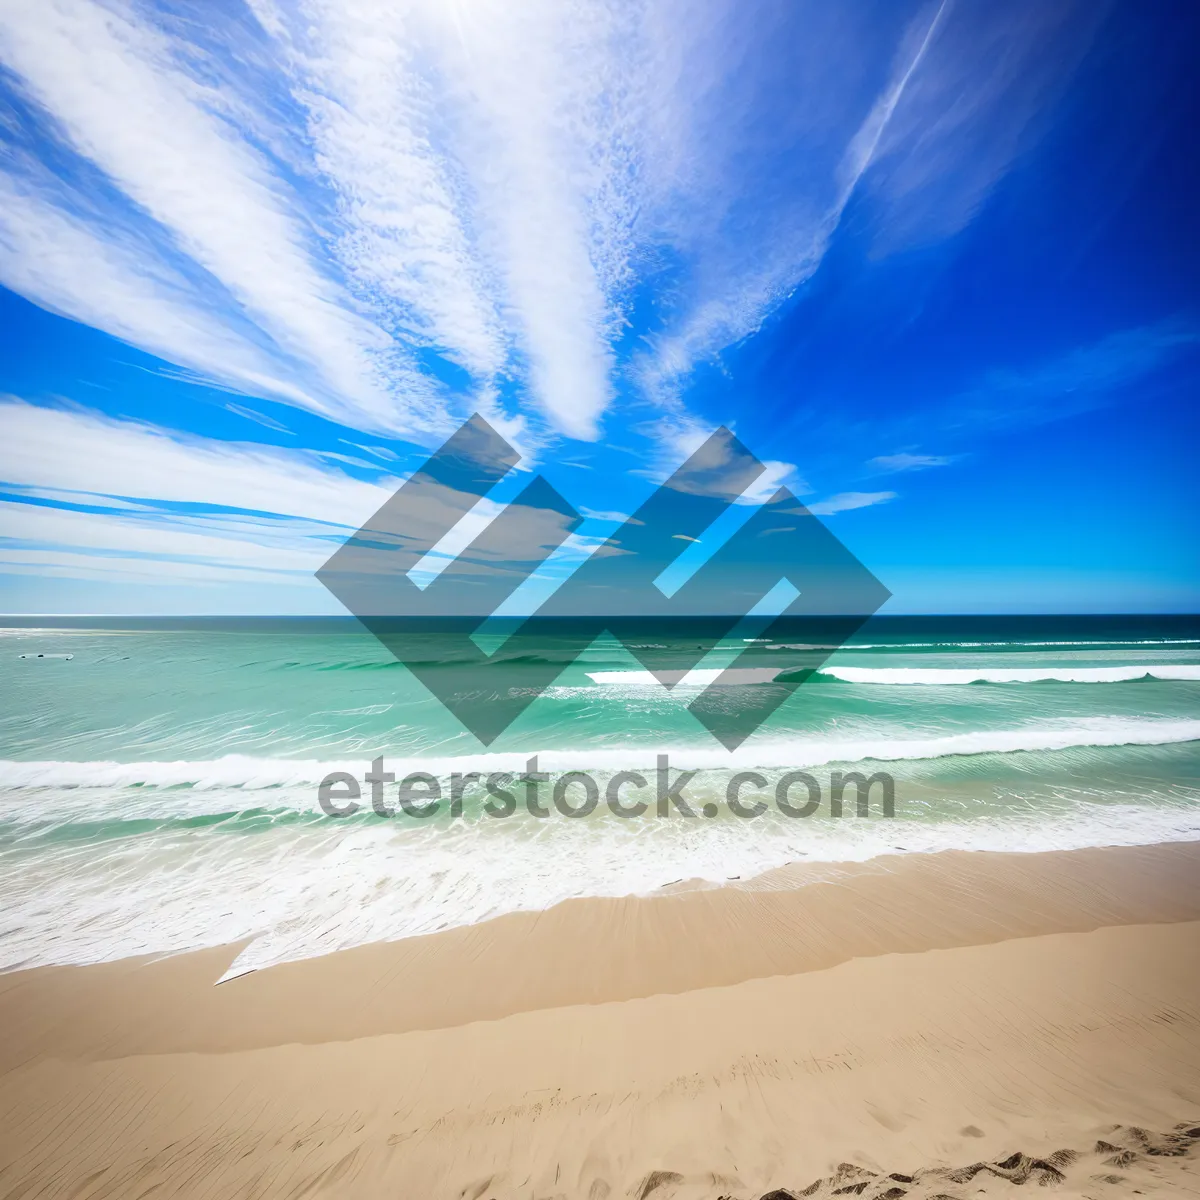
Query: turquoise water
pixel 158 788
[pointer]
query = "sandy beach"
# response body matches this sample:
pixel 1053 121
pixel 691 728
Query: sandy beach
pixel 599 600
pixel 951 1024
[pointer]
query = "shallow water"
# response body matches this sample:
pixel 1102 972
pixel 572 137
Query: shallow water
pixel 158 789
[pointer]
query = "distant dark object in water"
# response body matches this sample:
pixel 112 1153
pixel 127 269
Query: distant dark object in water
pixel 45 656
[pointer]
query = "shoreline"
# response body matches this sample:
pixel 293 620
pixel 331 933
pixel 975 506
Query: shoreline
pixel 746 1037
pixel 595 950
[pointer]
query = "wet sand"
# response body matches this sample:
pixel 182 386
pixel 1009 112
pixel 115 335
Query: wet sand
pixel 916 1026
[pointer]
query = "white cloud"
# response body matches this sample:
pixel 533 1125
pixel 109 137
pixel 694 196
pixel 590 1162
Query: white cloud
pixel 85 453
pixel 775 476
pixel 541 147
pixel 613 518
pixel 213 541
pixel 908 462
pixel 679 435
pixel 484 163
pixel 115 568
pixel 118 94
pixel 250 414
pixel 316 212
pixel 299 507
pixel 845 501
pixel 759 223
pixel 785 130
pixel 115 283
pixel 402 238
pixel 76 458
pixel 992 74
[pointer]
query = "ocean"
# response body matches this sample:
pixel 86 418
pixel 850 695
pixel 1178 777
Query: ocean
pixel 159 778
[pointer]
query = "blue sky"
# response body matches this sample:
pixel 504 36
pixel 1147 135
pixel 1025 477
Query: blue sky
pixel 935 264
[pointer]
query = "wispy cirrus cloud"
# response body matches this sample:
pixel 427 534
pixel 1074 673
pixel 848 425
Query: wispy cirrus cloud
pixel 108 277
pixel 61 453
pixel 401 235
pixel 768 218
pixel 980 100
pixel 481 179
pixel 454 184
pixel 907 461
pixel 93 498
pixel 678 435
pixel 398 213
pixel 846 501
pixel 1088 376
pixel 119 95
pixel 1083 377
pixel 926 122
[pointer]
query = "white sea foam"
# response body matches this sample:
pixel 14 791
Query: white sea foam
pixel 699 677
pixel 250 773
pixel 313 886
pixel 101 859
pixel 326 886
